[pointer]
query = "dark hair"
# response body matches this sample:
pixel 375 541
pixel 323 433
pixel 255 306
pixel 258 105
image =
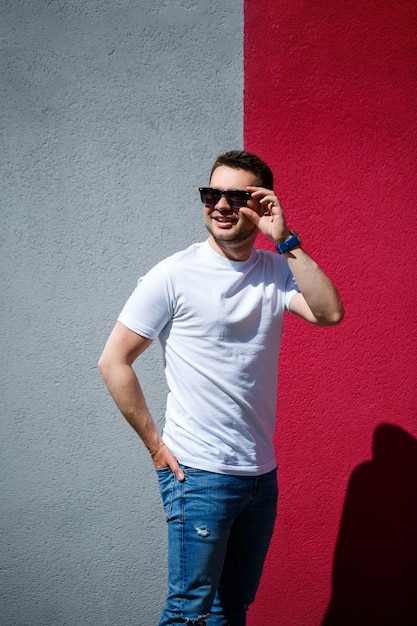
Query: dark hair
pixel 240 160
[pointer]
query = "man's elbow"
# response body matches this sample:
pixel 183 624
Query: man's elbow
pixel 103 365
pixel 332 318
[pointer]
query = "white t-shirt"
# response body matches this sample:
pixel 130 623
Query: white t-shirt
pixel 219 323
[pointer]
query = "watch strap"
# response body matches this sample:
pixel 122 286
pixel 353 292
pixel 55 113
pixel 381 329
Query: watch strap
pixel 289 244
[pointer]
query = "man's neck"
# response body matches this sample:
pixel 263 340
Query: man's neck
pixel 233 251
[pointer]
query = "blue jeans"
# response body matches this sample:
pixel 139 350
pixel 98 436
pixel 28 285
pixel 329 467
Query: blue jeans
pixel 219 530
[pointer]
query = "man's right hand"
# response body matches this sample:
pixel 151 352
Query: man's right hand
pixel 165 458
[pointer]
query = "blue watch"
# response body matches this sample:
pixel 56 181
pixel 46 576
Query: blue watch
pixel 289 244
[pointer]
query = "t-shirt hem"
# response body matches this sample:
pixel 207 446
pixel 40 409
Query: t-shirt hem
pixel 229 470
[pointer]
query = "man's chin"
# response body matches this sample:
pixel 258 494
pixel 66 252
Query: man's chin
pixel 234 239
pixel 232 236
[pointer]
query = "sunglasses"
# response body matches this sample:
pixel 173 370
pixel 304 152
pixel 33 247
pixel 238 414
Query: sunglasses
pixel 235 197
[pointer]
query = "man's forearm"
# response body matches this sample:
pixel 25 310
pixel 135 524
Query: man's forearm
pixel 126 391
pixel 318 290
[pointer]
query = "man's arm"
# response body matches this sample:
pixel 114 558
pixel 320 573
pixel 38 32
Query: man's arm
pixel 318 301
pixel 123 347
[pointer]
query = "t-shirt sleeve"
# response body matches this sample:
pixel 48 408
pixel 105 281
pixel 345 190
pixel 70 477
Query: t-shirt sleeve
pixel 291 287
pixel 150 307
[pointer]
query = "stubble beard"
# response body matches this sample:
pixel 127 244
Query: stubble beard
pixel 232 239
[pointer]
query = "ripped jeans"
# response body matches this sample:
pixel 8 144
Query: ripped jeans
pixel 219 530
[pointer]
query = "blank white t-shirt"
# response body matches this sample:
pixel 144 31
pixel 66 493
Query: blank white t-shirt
pixel 219 323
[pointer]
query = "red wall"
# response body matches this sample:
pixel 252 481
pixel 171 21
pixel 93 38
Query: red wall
pixel 330 103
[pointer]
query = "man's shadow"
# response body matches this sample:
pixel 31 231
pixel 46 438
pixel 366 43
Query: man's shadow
pixel 375 562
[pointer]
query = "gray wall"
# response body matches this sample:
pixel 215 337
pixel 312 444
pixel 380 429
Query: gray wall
pixel 111 114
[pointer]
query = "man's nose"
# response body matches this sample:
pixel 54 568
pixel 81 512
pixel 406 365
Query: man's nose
pixel 223 205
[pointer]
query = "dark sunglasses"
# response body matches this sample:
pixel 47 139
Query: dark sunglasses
pixel 235 197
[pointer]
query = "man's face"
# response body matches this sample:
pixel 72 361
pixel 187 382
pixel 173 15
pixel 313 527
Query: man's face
pixel 227 226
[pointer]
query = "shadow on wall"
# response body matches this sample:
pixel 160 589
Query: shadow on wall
pixel 375 564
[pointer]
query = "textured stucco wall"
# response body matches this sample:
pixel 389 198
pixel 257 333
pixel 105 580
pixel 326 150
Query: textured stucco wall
pixel 331 101
pixel 110 115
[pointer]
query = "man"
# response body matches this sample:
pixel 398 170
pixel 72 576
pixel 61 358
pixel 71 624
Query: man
pixel 217 309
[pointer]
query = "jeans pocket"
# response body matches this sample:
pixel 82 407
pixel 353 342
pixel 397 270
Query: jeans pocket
pixel 166 487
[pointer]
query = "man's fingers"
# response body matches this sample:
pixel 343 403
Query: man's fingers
pixel 167 459
pixel 175 468
pixel 178 472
